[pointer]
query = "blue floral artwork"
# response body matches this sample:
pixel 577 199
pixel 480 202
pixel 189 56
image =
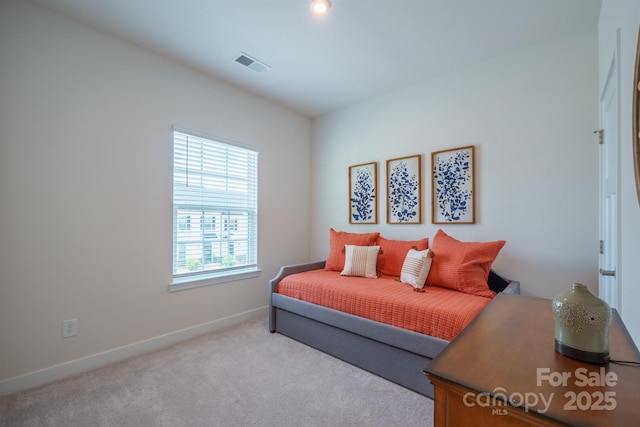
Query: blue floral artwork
pixel 363 194
pixel 403 191
pixel 453 186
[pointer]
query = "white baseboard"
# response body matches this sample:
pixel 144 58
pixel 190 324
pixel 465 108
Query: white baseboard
pixel 84 364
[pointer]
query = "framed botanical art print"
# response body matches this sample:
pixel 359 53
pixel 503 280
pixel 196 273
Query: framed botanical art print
pixel 404 190
pixel 363 194
pixel 452 186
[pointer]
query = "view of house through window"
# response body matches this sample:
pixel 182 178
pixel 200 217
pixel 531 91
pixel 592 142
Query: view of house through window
pixel 215 203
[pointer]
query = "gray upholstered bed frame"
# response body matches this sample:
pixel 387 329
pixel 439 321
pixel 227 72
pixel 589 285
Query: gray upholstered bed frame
pixel 396 354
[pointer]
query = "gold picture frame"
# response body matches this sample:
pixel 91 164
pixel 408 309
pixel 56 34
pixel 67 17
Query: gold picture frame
pixel 404 190
pixel 363 193
pixel 453 186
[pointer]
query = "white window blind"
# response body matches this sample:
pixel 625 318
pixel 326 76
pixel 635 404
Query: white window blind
pixel 215 209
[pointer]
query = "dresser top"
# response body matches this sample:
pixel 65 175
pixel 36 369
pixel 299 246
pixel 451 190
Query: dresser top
pixel 508 350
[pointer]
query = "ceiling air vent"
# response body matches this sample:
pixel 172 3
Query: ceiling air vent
pixel 252 63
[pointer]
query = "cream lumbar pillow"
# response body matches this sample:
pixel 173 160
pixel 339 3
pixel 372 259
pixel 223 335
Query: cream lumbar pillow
pixel 360 261
pixel 415 268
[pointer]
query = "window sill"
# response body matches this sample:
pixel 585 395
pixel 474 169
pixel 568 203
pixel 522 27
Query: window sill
pixel 184 283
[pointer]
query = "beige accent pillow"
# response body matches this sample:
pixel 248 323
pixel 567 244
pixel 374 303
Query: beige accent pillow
pixel 416 267
pixel 360 261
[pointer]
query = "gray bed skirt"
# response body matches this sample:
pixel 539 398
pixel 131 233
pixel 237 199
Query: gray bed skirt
pixel 397 354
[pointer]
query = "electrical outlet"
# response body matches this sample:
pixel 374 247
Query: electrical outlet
pixel 69 328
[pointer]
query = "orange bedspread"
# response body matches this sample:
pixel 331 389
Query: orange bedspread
pixel 438 312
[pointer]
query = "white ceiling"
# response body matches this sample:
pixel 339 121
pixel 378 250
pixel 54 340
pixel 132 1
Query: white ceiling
pixel 360 49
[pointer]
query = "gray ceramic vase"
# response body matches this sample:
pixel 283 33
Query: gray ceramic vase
pixel 582 322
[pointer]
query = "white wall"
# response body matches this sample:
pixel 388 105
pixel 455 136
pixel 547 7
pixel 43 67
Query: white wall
pixel 85 176
pixel 85 190
pixel 621 18
pixel 531 116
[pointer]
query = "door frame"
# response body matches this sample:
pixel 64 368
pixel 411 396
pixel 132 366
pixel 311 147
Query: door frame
pixel 612 295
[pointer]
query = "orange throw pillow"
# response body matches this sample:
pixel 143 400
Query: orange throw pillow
pixel 337 240
pixel 394 252
pixel 462 266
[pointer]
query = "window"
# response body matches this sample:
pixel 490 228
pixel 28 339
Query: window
pixel 208 222
pixel 184 222
pixel 215 211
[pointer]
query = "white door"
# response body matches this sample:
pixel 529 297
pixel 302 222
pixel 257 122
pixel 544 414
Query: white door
pixel 608 174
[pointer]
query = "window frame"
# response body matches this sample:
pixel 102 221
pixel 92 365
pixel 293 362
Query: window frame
pixel 183 221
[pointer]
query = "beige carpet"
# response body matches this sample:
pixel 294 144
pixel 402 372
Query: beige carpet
pixel 239 376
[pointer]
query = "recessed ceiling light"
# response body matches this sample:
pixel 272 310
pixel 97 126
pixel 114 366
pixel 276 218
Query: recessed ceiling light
pixel 320 6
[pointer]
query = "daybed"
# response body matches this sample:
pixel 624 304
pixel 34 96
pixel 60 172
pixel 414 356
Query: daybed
pixel 388 350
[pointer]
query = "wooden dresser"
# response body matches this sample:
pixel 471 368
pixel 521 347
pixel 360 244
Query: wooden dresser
pixel 503 370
